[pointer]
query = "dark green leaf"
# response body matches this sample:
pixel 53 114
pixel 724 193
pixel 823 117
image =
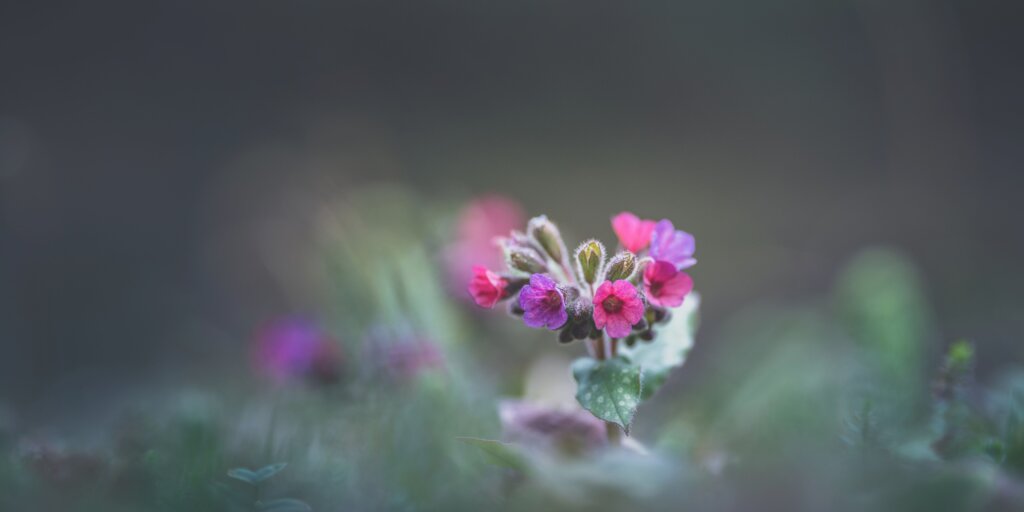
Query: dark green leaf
pixel 608 389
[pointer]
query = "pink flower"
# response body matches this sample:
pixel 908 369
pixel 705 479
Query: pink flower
pixel 486 287
pixel 634 233
pixel 618 306
pixel 481 221
pixel 665 285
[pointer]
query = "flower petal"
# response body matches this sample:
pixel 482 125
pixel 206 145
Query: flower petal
pixel 618 326
pixel 634 233
pixel 672 245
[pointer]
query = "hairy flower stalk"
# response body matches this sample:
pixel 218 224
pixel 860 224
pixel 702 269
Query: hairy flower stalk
pixel 585 295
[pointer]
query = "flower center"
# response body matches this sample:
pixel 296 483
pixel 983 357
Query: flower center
pixel 553 300
pixel 612 304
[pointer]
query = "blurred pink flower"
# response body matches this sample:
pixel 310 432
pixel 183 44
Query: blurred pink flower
pixel 481 221
pixel 402 356
pixel 294 349
pixel 634 233
pixel 59 467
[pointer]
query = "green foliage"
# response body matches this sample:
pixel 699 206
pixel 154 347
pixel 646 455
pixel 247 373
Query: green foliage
pixel 880 301
pixel 502 454
pixel 609 389
pixel 669 348
pixel 1006 408
pixel 255 479
pixel 258 476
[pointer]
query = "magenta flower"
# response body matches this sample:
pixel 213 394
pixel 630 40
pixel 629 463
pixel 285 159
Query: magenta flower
pixel 486 287
pixel 672 245
pixel 543 303
pixel 665 285
pixel 618 306
pixel 634 233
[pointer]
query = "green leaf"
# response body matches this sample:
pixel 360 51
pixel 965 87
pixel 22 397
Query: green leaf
pixel 501 454
pixel 608 389
pixel 283 505
pixel 668 350
pixel 246 475
pixel 269 471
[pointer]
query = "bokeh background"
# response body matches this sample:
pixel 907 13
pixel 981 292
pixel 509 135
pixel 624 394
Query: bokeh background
pixel 169 172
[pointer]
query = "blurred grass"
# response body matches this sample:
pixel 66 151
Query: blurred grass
pixel 817 404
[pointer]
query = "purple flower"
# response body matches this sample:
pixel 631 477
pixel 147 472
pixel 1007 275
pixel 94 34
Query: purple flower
pixel 672 245
pixel 543 303
pixel 293 348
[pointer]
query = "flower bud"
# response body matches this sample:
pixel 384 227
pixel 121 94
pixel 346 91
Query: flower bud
pixel 523 257
pixel 546 234
pixel 515 309
pixel 589 260
pixel 622 266
pixel 581 317
pixel 565 335
pixel 582 328
pixel 642 325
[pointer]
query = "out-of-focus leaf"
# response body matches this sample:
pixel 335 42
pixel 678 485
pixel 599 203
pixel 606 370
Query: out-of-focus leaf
pixel 256 477
pixel 880 301
pixel 246 475
pixel 269 471
pixel 502 454
pixel 668 349
pixel 283 505
pixel 608 389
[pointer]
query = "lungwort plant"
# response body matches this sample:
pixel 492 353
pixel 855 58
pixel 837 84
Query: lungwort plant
pixel 620 306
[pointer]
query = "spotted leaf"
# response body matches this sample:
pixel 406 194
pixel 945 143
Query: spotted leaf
pixel 608 389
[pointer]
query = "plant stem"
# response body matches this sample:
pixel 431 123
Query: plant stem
pixel 614 433
pixel 606 350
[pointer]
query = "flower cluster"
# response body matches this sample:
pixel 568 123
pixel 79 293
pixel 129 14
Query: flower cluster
pixel 587 294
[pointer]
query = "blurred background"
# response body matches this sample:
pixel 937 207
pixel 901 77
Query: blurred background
pixel 176 177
